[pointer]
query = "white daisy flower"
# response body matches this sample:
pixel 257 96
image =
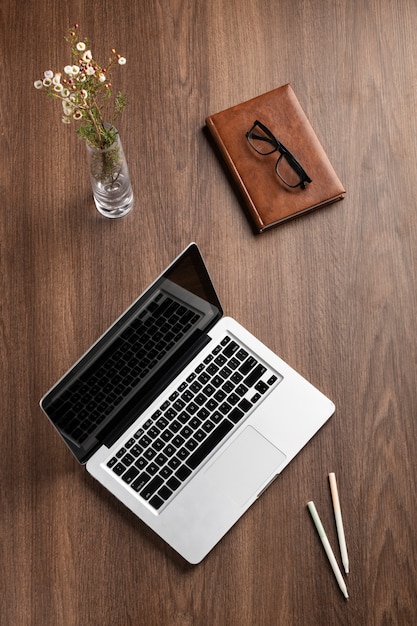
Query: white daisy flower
pixel 38 84
pixel 48 74
pixel 47 82
pixel 90 70
pixel 81 46
pixel 59 88
pixel 87 56
pixel 121 61
pixel 67 108
pixel 68 69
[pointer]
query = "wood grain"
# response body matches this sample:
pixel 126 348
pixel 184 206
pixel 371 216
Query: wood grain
pixel 333 293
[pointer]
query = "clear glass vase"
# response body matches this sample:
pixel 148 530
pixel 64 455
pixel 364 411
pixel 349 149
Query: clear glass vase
pixel 110 179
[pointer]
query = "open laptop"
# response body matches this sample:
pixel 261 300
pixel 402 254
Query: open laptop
pixel 181 413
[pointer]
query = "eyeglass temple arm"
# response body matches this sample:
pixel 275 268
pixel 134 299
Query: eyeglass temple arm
pixel 252 135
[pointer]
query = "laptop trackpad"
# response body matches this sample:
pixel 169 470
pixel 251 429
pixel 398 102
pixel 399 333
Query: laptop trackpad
pixel 245 466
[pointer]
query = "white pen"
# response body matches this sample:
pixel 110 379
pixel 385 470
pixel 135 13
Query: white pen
pixel 339 521
pixel 327 547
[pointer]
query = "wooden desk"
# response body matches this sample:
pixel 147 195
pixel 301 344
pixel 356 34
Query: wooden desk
pixel 334 293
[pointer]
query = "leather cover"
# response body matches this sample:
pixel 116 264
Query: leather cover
pixel 268 200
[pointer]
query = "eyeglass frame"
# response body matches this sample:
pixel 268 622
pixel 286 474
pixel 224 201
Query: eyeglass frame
pixel 277 145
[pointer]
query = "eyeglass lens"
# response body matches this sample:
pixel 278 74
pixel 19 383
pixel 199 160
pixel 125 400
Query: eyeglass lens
pixel 261 142
pixel 286 172
pixel 287 167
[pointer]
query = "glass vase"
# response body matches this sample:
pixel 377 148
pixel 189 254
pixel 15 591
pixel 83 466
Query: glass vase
pixel 110 179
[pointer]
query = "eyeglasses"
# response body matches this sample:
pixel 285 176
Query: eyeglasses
pixel 287 167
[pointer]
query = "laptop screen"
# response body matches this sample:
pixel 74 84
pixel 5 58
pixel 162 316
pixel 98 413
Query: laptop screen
pixel 130 365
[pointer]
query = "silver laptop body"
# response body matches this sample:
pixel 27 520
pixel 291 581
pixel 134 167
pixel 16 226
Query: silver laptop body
pixel 183 414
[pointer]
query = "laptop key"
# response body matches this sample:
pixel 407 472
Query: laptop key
pixel 178 441
pixel 212 369
pixel 212 404
pixel 130 475
pixel 119 469
pixel 167 435
pixel 166 472
pixel 245 405
pixel 236 415
pixel 228 387
pixel 225 372
pixel 127 459
pixel 183 417
pixel 120 453
pixel 175 426
pixel 209 444
pixel 173 483
pixel 247 365
pixel 183 472
pixel 136 450
pixel 208 426
pixel 236 377
pixel 200 435
pixel 224 408
pixel 183 453
pixel 231 348
pixel 141 481
pixel 216 417
pixel 220 395
pixel 261 387
pixel 156 502
pixel 191 444
pixel 161 459
pixel 242 354
pixel 141 463
pixel 255 374
pixel 203 413
pixel 174 462
pixel 151 487
pixel 241 390
pixel 194 423
pixel 233 399
pixel 164 492
pixel 152 469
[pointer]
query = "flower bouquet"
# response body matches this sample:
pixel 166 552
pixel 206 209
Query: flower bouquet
pixel 84 90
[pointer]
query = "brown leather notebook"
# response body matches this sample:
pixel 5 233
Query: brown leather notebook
pixel 268 199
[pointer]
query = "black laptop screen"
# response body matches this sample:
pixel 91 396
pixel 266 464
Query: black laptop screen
pixel 141 352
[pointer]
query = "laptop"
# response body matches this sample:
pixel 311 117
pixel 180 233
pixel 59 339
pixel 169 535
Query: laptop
pixel 181 413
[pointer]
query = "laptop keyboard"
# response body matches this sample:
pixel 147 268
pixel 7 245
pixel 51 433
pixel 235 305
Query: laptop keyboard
pixel 122 366
pixel 171 445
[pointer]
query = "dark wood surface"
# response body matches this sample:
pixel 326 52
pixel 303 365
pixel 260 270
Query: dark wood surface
pixel 333 293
